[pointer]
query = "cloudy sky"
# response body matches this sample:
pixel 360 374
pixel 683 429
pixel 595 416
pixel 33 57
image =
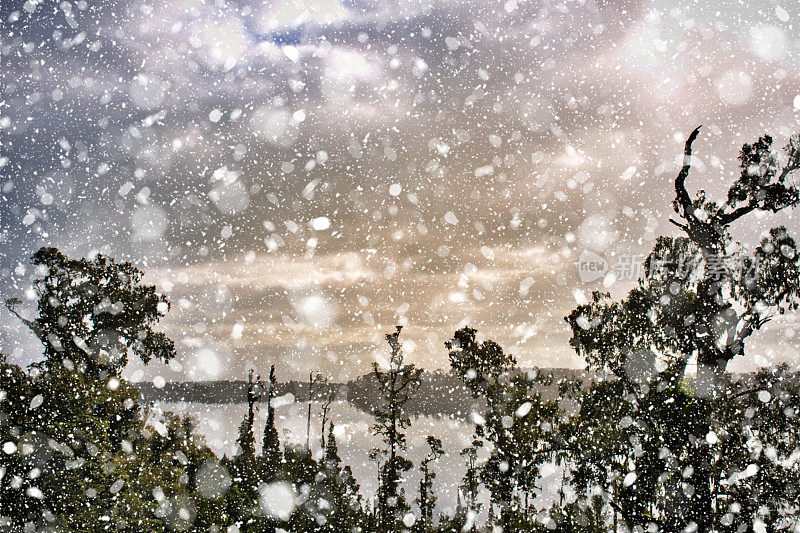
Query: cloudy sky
pixel 301 175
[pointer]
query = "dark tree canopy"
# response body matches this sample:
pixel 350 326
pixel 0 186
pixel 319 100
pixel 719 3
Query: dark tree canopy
pixel 668 448
pixel 702 295
pixel 93 313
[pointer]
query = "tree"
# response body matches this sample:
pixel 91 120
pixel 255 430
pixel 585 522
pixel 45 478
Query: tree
pixel 247 469
pixel 470 484
pixel 92 313
pixel 78 452
pixel 345 511
pixel 322 381
pixel 701 298
pixel 246 441
pixel 427 499
pixel 328 398
pixel 484 368
pixel 396 385
pixel 720 328
pixel 271 447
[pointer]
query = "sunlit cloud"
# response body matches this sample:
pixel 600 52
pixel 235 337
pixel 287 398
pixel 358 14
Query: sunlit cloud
pixel 299 177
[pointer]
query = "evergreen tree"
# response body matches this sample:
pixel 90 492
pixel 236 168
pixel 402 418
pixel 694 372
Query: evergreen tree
pixel 271 447
pixel 341 491
pixel 397 383
pixel 244 462
pixel 331 449
pixel 470 484
pixel 427 498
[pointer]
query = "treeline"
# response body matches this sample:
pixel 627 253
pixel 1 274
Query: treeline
pixel 649 448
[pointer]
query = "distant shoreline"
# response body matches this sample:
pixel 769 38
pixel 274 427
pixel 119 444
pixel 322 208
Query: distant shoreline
pixel 362 392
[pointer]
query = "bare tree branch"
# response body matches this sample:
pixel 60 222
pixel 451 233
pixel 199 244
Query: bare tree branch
pixel 684 227
pixel 684 202
pixel 10 304
pixel 728 218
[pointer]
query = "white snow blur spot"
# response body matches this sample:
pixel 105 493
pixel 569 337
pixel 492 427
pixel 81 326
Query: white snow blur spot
pixel 147 92
pixel 523 409
pixel 34 492
pixel 230 198
pixel 148 223
pixel 735 88
pixel 160 428
pixel 274 125
pixel 277 499
pixel 320 223
pixel 286 399
pixel 116 486
pixel 769 42
pixel 292 53
pixel 451 218
pixel 212 479
pixel 316 310
pixel 628 173
pixel 37 401
pixel 477 419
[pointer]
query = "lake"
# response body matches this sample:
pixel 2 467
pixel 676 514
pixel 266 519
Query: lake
pixel 219 423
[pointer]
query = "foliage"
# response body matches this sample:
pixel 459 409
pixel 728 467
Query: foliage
pixel 397 383
pixel 93 313
pixel 664 450
pixel 641 445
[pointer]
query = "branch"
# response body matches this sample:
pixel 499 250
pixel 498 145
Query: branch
pixel 745 393
pixel 625 515
pixel 684 227
pixel 726 219
pixel 681 196
pixel 734 215
pixel 790 167
pixel 10 303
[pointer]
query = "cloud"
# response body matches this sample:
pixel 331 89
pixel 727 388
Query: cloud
pixel 204 142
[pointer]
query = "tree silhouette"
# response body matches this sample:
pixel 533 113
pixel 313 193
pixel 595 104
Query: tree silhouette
pixel 471 482
pixel 768 284
pixel 484 368
pixel 341 490
pixel 427 498
pixel 92 313
pixel 701 297
pixel 271 446
pixel 397 384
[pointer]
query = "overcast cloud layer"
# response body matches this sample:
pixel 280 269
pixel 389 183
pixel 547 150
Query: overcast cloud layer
pixel 300 176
